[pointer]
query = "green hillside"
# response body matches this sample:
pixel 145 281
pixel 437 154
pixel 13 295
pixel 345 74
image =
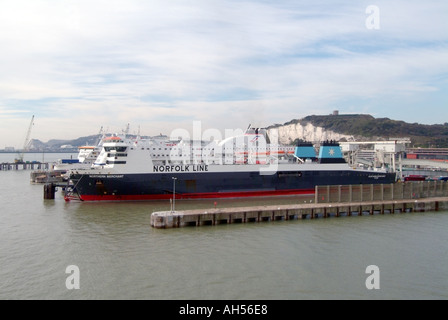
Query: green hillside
pixel 367 127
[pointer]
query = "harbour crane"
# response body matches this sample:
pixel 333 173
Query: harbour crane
pixel 26 144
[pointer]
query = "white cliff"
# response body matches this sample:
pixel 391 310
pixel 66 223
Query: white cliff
pixel 286 134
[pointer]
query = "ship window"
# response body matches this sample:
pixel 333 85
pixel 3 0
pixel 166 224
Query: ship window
pixel 115 162
pixel 118 149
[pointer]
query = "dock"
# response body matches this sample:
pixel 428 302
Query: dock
pixel 213 216
pixel 46 176
pixel 329 201
pixel 7 166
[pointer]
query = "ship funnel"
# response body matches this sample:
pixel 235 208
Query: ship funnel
pixel 305 151
pixel 330 152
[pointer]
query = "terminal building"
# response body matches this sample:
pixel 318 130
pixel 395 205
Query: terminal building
pixel 427 154
pixel 398 157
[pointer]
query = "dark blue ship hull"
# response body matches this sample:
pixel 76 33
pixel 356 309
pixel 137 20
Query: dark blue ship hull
pixel 190 185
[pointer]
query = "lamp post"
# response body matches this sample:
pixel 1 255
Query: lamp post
pixel 174 193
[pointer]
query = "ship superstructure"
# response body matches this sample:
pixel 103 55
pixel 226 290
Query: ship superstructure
pixel 240 166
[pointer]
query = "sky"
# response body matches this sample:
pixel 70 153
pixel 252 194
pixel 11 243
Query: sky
pixel 82 65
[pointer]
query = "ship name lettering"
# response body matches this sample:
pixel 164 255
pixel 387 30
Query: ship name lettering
pixel 97 176
pixel 106 176
pixel 181 168
pixel 376 177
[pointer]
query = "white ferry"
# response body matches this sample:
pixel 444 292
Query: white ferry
pixel 240 166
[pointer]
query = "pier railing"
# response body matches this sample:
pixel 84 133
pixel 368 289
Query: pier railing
pixel 381 192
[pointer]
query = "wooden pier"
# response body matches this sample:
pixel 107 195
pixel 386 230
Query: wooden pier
pixel 201 217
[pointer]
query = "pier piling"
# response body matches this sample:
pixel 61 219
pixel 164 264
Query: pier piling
pixel 7 166
pixel 49 191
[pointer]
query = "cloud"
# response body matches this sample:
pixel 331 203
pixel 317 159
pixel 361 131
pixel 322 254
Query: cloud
pixel 79 65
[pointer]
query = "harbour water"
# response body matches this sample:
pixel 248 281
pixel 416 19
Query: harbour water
pixel 119 255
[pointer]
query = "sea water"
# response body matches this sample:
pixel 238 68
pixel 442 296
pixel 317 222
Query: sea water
pixel 52 249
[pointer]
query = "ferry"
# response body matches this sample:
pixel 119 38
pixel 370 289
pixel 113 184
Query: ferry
pixel 246 165
pixel 87 155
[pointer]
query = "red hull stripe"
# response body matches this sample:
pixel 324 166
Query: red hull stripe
pixel 196 195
